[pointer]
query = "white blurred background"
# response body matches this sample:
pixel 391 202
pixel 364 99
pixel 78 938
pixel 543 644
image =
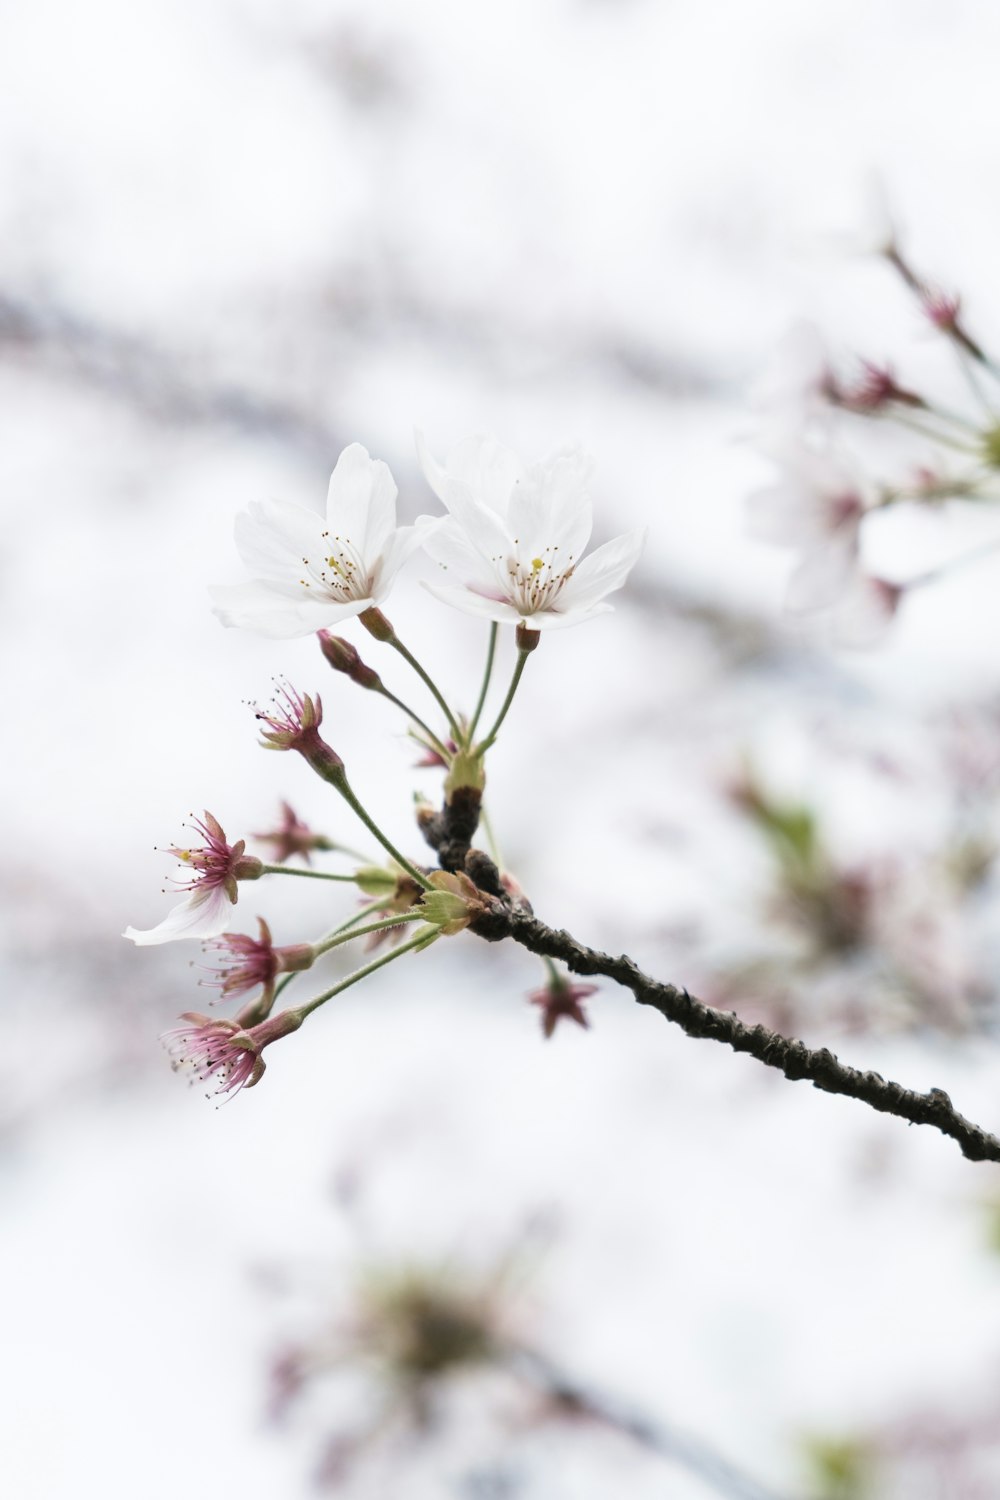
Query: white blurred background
pixel 235 237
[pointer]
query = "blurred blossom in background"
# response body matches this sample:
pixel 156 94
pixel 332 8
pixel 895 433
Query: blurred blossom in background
pixel 237 237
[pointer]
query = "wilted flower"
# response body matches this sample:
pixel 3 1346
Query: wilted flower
pixel 560 1000
pixel 226 1050
pixel 512 542
pixel 216 868
pixel 252 962
pixel 292 836
pixel 309 572
pixel 292 723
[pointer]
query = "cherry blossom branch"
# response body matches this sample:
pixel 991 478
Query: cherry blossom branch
pixel 792 1057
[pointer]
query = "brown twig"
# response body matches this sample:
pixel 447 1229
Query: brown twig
pixel 793 1058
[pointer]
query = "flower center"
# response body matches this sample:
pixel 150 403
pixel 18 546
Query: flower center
pixel 339 574
pixel 536 584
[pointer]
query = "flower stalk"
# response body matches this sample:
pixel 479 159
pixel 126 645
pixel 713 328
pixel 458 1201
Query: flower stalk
pixel 422 940
pixel 377 625
pixel 524 651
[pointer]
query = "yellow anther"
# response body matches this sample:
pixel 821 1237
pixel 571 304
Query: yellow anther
pixel 537 564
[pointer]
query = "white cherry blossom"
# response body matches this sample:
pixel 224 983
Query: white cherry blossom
pixel 816 507
pixel 792 395
pixel 312 572
pixel 511 548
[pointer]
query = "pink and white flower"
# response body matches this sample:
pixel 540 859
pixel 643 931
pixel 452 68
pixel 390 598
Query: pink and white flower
pixel 214 870
pixel 226 1050
pixel 793 393
pixel 311 572
pixel 512 544
pixel 816 507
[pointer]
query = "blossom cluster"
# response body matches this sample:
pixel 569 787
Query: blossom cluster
pixel 821 500
pixel 510 548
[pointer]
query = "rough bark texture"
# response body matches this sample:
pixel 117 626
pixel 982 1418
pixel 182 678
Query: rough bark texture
pixel 793 1058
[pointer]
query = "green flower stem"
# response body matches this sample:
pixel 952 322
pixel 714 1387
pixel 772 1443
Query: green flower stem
pixel 422 939
pixel 429 682
pixel 970 369
pixel 343 787
pixel 487 674
pixel 491 837
pixel 439 745
pixel 336 938
pixel 556 980
pixel 484 745
pixel 359 916
pixel 945 439
pixel 307 874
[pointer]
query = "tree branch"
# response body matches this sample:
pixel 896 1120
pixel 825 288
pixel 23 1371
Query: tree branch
pixel 791 1057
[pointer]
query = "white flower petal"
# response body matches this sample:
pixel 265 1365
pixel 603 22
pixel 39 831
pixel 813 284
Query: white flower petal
pixel 823 575
pixel 552 507
pixel 280 612
pixel 602 572
pixel 274 537
pixel 200 915
pixel 479 468
pixel 476 604
pixel 361 501
pixel 865 613
pixel 450 547
pixel 551 619
pixel 784 513
pixel 401 545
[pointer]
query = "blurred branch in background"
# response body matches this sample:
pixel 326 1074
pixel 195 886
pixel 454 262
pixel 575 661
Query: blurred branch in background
pixel 436 1351
pixel 163 386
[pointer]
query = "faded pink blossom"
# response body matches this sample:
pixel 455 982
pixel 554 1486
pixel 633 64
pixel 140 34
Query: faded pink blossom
pixel 291 722
pixel 216 868
pixel 252 962
pixel 560 1000
pixel 816 508
pixel 865 612
pixel 942 308
pixel 210 1048
pixel 796 389
pixel 293 836
pixel 873 390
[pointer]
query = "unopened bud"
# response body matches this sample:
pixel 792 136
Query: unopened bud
pixel 343 657
pixel 376 624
